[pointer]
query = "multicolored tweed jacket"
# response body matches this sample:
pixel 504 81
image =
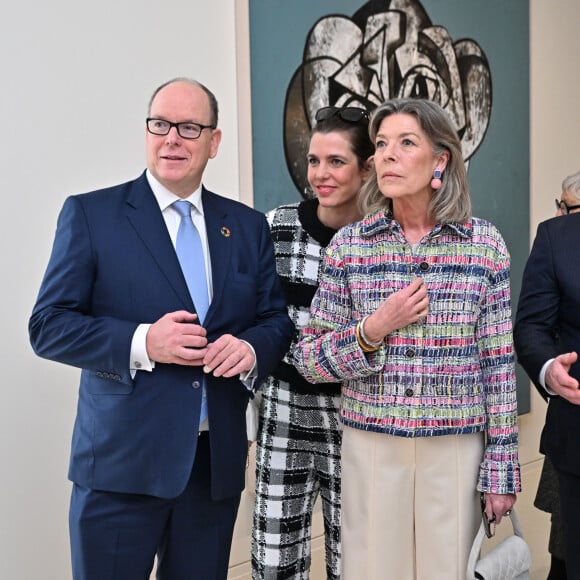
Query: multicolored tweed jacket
pixel 451 374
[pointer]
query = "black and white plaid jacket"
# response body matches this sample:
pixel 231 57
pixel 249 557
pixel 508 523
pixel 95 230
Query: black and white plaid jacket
pixel 300 240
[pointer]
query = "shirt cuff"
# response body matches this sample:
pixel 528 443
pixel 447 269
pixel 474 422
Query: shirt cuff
pixel 542 379
pixel 140 361
pixel 248 378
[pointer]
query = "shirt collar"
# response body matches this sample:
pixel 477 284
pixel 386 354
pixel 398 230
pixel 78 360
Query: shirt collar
pixel 165 198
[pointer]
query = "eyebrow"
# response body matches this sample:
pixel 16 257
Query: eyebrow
pixel 329 156
pixel 163 118
pixel 406 134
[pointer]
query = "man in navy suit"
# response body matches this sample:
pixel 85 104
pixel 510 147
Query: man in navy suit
pixel 547 340
pixel 151 477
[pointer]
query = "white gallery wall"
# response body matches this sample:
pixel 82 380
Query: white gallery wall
pixel 76 79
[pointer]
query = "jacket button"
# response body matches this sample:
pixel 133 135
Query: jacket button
pixel 196 384
pixel 410 353
pixel 424 266
pixel 409 392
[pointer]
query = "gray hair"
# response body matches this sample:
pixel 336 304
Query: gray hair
pixel 572 184
pixel 451 202
pixel 213 104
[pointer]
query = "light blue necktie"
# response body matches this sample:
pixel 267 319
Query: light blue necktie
pixel 190 254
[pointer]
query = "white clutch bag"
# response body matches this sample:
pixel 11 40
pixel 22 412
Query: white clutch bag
pixel 509 560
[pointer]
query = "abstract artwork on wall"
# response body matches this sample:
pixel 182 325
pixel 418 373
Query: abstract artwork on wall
pixel 381 53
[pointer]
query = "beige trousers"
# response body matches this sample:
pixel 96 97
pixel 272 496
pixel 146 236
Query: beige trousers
pixel 410 509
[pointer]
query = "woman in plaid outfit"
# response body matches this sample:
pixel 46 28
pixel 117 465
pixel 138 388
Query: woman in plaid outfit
pixel 413 315
pixel 298 445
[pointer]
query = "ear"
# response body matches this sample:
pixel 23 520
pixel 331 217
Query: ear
pixel 216 137
pixel 441 161
pixel 368 167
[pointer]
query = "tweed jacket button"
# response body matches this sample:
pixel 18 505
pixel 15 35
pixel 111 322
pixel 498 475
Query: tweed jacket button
pixel 410 353
pixel 424 266
pixel 409 392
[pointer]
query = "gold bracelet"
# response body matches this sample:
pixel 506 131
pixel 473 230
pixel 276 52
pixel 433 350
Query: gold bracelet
pixel 365 347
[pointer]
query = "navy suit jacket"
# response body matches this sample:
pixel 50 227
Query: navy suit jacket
pixel 112 267
pixel 548 324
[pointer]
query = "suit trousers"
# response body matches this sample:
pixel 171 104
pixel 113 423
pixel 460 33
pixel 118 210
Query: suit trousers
pixel 570 512
pixel 116 536
pixel 410 509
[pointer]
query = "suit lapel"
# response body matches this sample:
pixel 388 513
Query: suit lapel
pixel 220 237
pixel 145 216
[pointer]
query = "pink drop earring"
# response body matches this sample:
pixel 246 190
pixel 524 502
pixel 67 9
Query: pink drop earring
pixel 436 181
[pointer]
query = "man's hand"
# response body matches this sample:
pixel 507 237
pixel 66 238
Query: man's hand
pixel 228 356
pixel 559 380
pixel 175 338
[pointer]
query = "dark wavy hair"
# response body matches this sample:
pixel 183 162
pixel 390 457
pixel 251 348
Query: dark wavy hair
pixel 357 134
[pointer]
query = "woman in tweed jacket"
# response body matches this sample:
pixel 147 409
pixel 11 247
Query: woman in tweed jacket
pixel 413 315
pixel 298 450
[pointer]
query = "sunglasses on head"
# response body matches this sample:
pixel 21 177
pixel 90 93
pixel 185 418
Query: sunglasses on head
pixel 348 114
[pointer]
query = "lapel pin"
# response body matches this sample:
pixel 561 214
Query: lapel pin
pixel 226 232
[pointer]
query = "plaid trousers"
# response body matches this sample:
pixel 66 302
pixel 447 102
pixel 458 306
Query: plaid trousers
pixel 297 459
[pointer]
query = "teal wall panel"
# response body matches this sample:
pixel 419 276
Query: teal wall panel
pixel 499 166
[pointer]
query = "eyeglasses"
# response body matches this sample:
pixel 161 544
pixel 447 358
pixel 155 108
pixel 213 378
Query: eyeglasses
pixel 564 207
pixel 348 114
pixel 186 130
